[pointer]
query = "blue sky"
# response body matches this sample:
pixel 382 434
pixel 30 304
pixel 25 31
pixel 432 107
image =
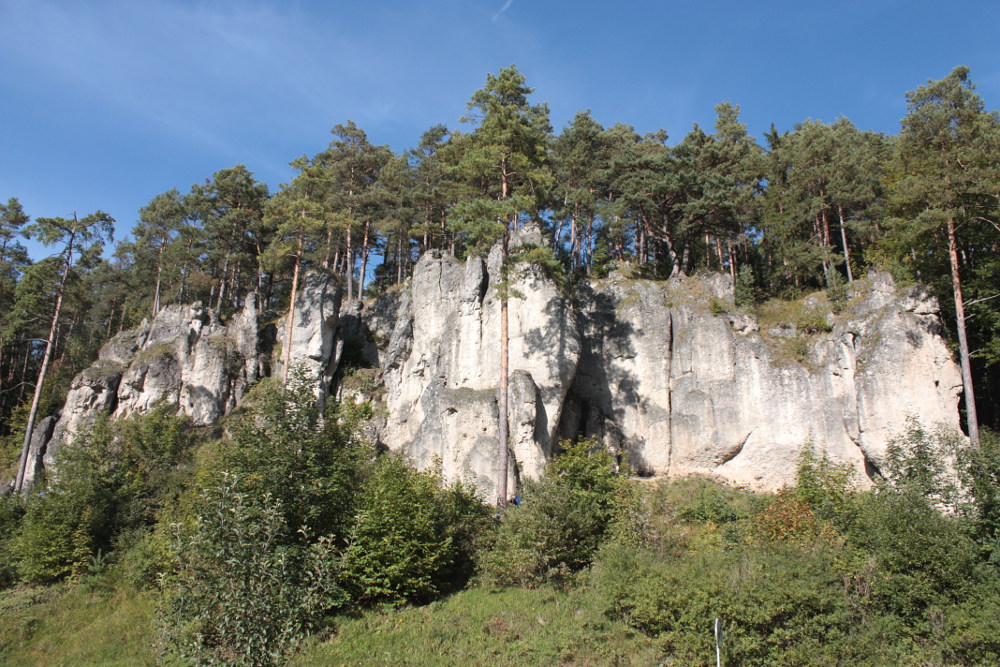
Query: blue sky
pixel 105 103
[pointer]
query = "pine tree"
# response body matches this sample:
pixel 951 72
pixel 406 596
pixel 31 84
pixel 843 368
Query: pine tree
pixel 948 182
pixel 159 221
pixel 296 214
pixel 74 235
pixel 505 160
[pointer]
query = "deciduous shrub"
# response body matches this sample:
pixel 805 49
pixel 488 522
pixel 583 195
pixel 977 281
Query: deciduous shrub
pixel 245 589
pixel 562 520
pixel 11 511
pixel 411 539
pixel 76 514
pixel 111 481
pixel 826 487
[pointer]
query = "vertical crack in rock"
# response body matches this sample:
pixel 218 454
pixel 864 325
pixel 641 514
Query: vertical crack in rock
pixel 669 384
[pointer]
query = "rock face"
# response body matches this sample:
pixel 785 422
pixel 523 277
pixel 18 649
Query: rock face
pixel 184 357
pixel 670 376
pixel 314 350
pixel 682 391
pixel 441 364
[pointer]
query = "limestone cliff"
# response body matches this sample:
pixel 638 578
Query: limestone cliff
pixel 669 375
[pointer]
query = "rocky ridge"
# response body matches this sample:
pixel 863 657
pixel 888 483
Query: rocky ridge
pixel 668 375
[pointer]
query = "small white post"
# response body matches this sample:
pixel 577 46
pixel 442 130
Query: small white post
pixel 718 643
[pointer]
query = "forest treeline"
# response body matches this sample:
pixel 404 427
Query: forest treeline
pixel 813 208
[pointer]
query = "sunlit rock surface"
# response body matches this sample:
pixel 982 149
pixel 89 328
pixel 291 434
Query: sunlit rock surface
pixel 670 376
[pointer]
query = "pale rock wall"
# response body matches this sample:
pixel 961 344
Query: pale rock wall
pixel 184 357
pixel 314 349
pixel 441 368
pixel 645 367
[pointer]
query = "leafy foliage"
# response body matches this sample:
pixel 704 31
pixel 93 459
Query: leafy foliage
pixel 111 479
pixel 294 519
pixel 245 589
pixel 411 539
pixel 255 563
pixel 562 519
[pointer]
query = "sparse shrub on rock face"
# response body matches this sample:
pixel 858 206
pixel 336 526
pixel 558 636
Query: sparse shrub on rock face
pixel 826 487
pixel 746 291
pixel 919 461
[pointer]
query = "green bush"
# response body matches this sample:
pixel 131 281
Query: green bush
pixel 745 290
pixel 257 541
pixel 923 557
pixel 562 520
pixel 979 470
pixel 111 480
pixel 777 605
pixel 826 487
pixel 281 445
pixel 11 512
pixel 245 590
pixel 411 539
pixel 74 517
pixel 918 462
pixel 292 519
pixel 703 500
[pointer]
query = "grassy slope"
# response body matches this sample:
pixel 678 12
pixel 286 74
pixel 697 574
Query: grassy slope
pixel 480 626
pixel 73 624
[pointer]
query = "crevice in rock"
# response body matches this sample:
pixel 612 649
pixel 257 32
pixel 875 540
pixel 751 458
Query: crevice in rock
pixel 873 472
pixel 670 388
pixel 113 389
pixel 484 282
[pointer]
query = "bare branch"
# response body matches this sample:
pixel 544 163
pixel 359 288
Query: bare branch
pixel 987 220
pixel 985 298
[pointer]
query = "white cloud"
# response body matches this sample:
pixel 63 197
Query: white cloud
pixel 506 6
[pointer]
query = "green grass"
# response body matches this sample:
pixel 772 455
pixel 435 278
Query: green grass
pixel 77 624
pixel 803 324
pixel 73 624
pixel 483 626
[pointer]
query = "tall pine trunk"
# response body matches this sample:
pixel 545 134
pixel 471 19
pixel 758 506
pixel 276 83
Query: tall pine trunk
pixel 503 460
pixel 46 358
pixel 971 418
pixel 364 261
pixel 349 267
pixel 843 240
pixel 286 353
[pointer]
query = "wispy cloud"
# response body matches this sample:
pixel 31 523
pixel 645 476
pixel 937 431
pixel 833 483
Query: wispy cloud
pixel 506 6
pixel 187 69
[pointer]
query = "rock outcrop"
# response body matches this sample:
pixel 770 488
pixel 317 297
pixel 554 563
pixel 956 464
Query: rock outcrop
pixel 184 357
pixel 670 376
pixel 441 369
pixel 682 390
